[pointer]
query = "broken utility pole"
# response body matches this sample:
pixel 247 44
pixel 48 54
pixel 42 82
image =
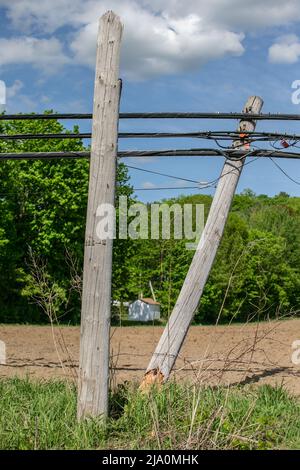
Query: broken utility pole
pixel 96 296
pixel 173 336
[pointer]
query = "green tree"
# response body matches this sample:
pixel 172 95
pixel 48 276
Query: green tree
pixel 43 207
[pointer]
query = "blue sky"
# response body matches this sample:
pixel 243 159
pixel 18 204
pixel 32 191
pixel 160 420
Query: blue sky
pixel 207 56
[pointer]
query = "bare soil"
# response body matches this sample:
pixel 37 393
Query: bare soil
pixel 256 353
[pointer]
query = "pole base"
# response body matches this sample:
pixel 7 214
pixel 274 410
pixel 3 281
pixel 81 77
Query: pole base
pixel 152 378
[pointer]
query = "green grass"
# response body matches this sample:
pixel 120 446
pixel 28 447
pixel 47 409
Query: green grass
pixel 42 415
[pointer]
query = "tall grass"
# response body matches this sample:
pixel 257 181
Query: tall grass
pixel 42 415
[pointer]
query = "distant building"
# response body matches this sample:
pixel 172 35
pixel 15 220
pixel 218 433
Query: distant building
pixel 117 303
pixel 144 309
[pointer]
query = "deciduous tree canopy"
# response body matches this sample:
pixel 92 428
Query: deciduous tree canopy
pixel 42 211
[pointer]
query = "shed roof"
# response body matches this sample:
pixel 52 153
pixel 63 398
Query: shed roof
pixel 149 301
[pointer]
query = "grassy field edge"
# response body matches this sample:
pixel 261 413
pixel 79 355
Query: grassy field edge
pixel 42 415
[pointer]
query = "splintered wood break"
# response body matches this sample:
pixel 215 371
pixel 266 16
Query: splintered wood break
pixel 152 377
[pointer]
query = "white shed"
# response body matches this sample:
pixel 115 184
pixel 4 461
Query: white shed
pixel 144 309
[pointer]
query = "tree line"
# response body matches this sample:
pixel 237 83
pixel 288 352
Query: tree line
pixel 42 224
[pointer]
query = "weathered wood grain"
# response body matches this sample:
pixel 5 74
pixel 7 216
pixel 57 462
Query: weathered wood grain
pixel 96 297
pixel 174 334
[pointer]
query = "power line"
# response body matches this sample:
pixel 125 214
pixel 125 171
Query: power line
pixel 284 172
pixel 194 152
pixel 158 188
pixel 240 116
pixel 221 135
pixel 44 155
pixel 209 184
pixel 159 115
pixel 207 152
pixel 86 135
pixel 213 135
pixel 161 174
pixel 44 117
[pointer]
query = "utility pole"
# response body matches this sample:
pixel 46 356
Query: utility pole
pixel 175 332
pixel 96 296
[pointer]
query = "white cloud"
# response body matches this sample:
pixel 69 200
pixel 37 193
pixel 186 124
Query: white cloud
pixel 160 36
pixel 176 45
pixel 45 16
pixel 286 50
pixel 2 95
pixel 237 14
pixel 45 99
pixel 14 89
pixel 45 53
pixel 154 42
pixel 148 185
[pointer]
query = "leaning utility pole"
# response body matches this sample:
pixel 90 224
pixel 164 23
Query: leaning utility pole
pixel 173 336
pixel 96 296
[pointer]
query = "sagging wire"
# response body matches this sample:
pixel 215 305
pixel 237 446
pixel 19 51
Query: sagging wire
pixel 284 172
pixel 161 174
pixel 210 184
